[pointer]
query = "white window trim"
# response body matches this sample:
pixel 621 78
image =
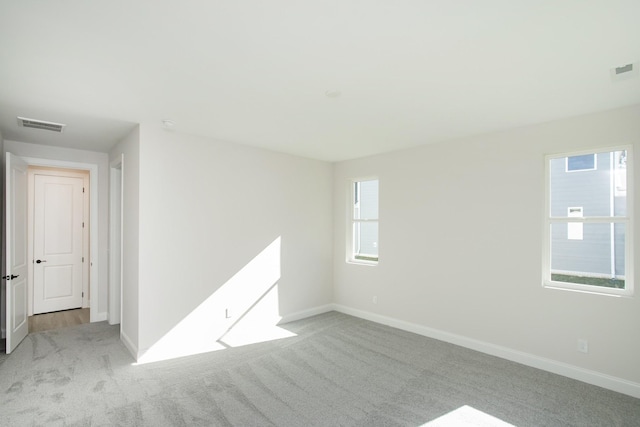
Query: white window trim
pixel 351 221
pixel 627 220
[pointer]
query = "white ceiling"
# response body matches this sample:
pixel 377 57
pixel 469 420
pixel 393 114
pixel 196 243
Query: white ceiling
pixel 256 72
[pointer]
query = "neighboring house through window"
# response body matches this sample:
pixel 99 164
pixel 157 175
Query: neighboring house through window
pixel 364 222
pixel 588 245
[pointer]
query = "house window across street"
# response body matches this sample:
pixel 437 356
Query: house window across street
pixel 583 162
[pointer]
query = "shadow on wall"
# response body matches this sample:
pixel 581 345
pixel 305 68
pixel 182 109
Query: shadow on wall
pixel 248 308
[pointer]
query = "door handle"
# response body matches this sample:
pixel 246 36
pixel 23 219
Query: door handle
pixel 10 277
pixel 38 261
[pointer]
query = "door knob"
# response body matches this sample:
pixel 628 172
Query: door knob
pixel 38 261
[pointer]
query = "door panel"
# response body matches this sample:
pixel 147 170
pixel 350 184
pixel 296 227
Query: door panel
pixel 58 242
pixel 16 250
pixel 57 216
pixel 19 294
pixel 58 281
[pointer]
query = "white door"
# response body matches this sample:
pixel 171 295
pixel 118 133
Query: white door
pixel 16 251
pixel 57 247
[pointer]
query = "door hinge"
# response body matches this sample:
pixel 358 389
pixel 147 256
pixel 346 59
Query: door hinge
pixel 82 259
pixel 83 189
pixel 83 295
pixel 83 224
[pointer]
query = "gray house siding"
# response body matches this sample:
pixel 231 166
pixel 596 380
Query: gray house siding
pixel 591 190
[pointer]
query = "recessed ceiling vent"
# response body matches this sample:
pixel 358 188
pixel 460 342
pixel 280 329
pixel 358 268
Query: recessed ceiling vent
pixel 624 69
pixel 40 124
pixel 625 72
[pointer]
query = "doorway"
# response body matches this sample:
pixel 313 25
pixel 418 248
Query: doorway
pixel 58 239
pixel 19 312
pixel 92 168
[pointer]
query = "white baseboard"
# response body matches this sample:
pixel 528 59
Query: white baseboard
pixel 303 314
pixel 585 375
pixel 98 317
pixel 133 349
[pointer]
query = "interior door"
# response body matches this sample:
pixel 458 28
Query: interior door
pixel 16 251
pixel 58 240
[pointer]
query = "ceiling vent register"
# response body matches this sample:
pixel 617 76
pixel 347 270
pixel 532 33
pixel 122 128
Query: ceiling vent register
pixel 624 69
pixel 40 124
pixel 625 72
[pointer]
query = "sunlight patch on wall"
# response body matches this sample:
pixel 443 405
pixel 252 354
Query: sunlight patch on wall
pixel 243 311
pixel 259 324
pixel 467 416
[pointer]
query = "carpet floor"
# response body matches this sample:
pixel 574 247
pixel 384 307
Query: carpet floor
pixel 337 371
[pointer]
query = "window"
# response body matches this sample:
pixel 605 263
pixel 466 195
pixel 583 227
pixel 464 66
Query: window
pixel 584 162
pixel 588 218
pixel 574 229
pixel 364 222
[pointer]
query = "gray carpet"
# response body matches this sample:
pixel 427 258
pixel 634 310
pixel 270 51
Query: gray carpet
pixel 337 371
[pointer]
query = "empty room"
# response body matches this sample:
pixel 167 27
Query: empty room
pixel 320 213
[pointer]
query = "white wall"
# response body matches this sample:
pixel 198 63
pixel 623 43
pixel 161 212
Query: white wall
pixel 461 246
pixel 129 148
pixel 23 149
pixel 220 224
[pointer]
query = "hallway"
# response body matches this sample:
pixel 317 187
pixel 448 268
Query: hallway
pixel 58 319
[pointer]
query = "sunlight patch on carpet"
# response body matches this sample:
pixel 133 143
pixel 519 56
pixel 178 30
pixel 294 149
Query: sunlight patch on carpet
pixel 467 416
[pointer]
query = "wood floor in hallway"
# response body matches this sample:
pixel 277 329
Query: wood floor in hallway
pixel 58 319
pixel 55 320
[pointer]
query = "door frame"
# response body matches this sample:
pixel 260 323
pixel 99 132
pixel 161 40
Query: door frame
pixel 116 168
pixel 93 223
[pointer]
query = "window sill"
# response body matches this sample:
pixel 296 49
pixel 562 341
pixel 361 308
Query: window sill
pixel 586 289
pixel 362 262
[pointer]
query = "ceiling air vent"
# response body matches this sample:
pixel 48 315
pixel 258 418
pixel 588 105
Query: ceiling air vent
pixel 624 72
pixel 40 124
pixel 624 69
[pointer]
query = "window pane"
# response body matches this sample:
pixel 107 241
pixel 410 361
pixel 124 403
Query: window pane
pixel 365 240
pixel 600 192
pixel 597 259
pixel 366 200
pixel 584 162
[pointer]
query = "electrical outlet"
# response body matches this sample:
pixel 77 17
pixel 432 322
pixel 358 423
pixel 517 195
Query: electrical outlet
pixel 583 345
pixel 375 299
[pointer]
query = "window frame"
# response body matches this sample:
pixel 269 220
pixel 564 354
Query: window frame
pixel 627 220
pixel 352 221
